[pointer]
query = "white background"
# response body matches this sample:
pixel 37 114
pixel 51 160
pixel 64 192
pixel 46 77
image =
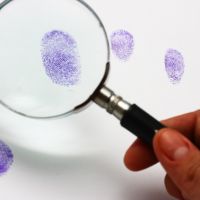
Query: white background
pixel 82 157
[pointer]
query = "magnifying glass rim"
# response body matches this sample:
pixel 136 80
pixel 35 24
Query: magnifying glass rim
pixel 89 99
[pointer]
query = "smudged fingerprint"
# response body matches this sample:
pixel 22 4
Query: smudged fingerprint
pixel 122 44
pixel 61 58
pixel 6 158
pixel 174 65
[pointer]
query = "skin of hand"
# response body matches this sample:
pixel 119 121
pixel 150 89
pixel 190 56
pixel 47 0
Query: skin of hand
pixel 176 148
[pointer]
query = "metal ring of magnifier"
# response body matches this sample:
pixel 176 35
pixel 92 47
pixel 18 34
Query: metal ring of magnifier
pixel 90 98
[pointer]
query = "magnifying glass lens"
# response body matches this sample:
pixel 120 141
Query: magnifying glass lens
pixel 53 55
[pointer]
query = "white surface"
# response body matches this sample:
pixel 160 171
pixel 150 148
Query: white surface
pixel 82 157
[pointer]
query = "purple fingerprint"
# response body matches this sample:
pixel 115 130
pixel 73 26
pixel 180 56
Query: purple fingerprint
pixel 6 158
pixel 122 44
pixel 61 58
pixel 174 65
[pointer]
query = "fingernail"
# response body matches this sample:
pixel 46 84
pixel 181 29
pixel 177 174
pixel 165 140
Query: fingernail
pixel 173 145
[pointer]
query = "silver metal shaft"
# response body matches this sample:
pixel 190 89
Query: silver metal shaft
pixel 114 104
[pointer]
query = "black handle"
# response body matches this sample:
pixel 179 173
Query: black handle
pixel 141 124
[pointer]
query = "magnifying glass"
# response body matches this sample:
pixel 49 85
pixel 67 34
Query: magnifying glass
pixel 55 59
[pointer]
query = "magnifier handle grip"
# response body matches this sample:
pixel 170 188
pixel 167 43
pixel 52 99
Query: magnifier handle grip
pixel 141 124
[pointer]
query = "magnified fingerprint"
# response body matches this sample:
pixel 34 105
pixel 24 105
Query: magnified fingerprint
pixel 61 58
pixel 174 65
pixel 6 158
pixel 122 44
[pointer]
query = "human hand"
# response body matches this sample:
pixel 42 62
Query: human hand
pixel 177 154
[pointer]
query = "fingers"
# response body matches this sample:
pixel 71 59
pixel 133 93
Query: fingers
pixel 181 160
pixel 139 156
pixel 183 123
pixel 171 188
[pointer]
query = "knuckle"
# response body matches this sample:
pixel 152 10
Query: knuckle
pixel 191 180
pixel 193 172
pixel 171 188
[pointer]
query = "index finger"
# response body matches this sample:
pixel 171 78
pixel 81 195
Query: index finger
pixel 140 156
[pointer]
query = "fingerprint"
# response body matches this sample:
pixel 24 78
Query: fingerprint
pixel 122 44
pixel 61 58
pixel 6 158
pixel 174 65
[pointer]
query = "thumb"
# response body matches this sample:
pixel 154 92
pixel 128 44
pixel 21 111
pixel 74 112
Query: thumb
pixel 181 160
